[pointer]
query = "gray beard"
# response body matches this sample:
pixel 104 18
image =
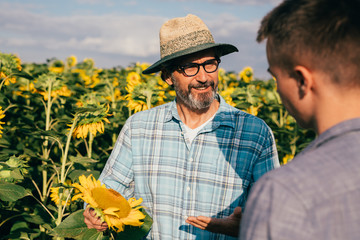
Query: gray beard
pixel 202 102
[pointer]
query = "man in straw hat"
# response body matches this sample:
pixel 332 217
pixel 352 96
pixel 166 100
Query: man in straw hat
pixel 193 160
pixel 313 50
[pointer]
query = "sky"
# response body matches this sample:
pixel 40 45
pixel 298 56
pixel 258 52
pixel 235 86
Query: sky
pixel 122 32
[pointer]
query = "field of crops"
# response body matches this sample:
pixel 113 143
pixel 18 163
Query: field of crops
pixel 60 119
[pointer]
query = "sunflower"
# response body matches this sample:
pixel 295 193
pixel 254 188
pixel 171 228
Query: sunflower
pixel 253 110
pixel 60 91
pixel 136 105
pixel 287 158
pixel 134 86
pixel 226 94
pixel 56 69
pixel 8 80
pixel 82 131
pixel 117 96
pixel 2 115
pixel 55 196
pixel 71 61
pixel 90 77
pixel 247 74
pixel 109 205
pixel 57 66
pixel 143 65
pixel 18 63
pixel 91 121
pixel 133 79
pixel 8 64
pixel 65 190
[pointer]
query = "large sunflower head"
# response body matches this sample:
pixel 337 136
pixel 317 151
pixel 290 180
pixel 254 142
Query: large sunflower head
pixel 113 208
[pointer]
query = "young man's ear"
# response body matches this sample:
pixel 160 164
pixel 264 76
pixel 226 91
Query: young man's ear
pixel 304 78
pixel 166 76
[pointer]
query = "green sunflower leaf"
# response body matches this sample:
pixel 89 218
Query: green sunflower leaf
pixel 12 192
pixel 74 227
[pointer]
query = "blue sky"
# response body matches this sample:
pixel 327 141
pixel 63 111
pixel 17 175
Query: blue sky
pixel 122 32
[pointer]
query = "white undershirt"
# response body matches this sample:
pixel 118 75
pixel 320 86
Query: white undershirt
pixel 191 133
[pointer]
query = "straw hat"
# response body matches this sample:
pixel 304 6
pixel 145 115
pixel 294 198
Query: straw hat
pixel 183 36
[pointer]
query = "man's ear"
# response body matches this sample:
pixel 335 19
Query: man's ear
pixel 305 80
pixel 166 76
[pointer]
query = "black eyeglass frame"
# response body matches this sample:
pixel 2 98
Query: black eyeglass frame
pixel 182 68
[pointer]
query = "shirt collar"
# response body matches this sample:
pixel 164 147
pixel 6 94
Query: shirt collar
pixel 338 130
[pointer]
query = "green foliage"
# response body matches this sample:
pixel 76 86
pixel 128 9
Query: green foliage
pixel 74 227
pixel 44 107
pixel 11 192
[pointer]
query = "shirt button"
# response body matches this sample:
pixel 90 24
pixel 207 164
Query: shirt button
pixel 191 159
pixel 188 189
pixel 185 217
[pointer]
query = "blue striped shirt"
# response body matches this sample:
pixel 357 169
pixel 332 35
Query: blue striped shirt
pixel 211 176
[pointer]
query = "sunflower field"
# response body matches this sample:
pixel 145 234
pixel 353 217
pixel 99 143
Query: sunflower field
pixel 59 120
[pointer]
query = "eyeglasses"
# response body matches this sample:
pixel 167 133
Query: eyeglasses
pixel 191 69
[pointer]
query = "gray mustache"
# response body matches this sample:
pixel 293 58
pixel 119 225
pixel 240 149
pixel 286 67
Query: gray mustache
pixel 207 84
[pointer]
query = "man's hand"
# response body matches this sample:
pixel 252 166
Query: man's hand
pixel 228 226
pixel 93 221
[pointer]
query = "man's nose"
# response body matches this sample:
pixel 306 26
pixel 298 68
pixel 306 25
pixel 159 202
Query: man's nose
pixel 201 76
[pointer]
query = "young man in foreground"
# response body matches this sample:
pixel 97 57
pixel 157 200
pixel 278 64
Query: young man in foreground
pixel 313 49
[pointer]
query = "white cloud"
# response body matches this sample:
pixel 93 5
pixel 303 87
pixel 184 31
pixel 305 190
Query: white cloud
pixel 18 42
pixel 115 39
pixel 226 26
pixel 129 35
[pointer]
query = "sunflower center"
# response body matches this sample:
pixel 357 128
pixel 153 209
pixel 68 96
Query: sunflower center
pixel 109 198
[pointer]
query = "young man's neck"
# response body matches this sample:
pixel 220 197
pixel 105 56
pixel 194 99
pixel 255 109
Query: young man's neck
pixel 336 108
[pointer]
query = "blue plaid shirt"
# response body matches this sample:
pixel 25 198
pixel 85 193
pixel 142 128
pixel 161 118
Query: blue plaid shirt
pixel 211 176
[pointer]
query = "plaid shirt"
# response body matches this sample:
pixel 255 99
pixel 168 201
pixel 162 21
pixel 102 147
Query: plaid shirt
pixel 210 177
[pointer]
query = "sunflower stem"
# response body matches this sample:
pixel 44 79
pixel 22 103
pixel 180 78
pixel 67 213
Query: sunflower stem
pixel 64 157
pixel 61 208
pixel 148 99
pixel 46 142
pixel 28 89
pixel 281 115
pixel 91 140
pixel 60 211
pixel 3 81
pixel 63 172
pixel 45 208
